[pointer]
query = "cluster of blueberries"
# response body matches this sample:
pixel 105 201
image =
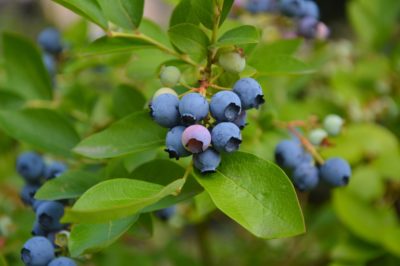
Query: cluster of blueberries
pixel 40 250
pixel 305 12
pixel 304 172
pixel 50 42
pixel 193 131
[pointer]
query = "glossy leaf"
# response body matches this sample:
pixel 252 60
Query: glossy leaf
pixel 134 133
pixel 127 100
pixel 241 35
pixel 109 45
pixel 204 10
pixel 124 13
pixel 255 193
pixel 10 100
pixel 183 13
pixel 30 125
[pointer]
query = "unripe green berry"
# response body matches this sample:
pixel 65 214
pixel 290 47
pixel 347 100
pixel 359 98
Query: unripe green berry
pixel 164 91
pixel 317 136
pixel 232 62
pixel 333 124
pixel 170 76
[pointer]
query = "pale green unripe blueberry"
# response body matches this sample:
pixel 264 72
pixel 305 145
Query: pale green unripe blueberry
pixel 232 62
pixel 170 76
pixel 164 91
pixel 333 124
pixel 316 136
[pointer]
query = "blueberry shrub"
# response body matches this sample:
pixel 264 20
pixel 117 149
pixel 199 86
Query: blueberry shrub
pixel 239 133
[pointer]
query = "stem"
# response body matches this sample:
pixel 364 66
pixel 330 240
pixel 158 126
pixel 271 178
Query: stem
pixel 159 45
pixel 215 86
pixel 202 240
pixel 185 176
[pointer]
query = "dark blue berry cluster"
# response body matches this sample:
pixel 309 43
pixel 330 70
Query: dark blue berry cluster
pixel 205 128
pixel 41 248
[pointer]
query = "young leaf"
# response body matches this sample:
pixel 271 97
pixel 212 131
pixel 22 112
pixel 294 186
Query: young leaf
pixel 183 13
pixel 124 13
pixel 109 45
pixel 134 133
pixel 89 238
pixel 117 198
pixel 204 10
pixel 68 185
pixel 190 39
pixel 89 9
pixel 25 69
pixel 43 128
pixel 241 35
pixel 255 193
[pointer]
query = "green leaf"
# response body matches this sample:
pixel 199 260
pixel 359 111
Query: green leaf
pixel 255 193
pixel 127 100
pixel 124 13
pixel 143 228
pixel 190 39
pixel 204 10
pixel 89 9
pixel 109 45
pixel 226 8
pixel 134 133
pixel 43 128
pixel 183 13
pixel 163 172
pixel 89 238
pixel 278 64
pixel 241 35
pixel 391 240
pixel 154 31
pixel 69 185
pixel 10 100
pixel 25 69
pixel 117 198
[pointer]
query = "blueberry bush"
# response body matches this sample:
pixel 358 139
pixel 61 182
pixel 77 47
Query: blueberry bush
pixel 241 133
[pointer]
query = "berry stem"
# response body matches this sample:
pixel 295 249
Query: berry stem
pixel 215 86
pixel 185 176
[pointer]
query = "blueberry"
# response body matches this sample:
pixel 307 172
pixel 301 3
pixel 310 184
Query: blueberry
pixel 48 214
pixel 50 41
pixel 249 92
pixel 322 31
pixel 307 27
pixel 292 8
pixel 207 161
pixel 225 106
pixel 232 62
pixel 28 192
pixel 164 91
pixel 37 230
pixel 336 172
pixel 226 137
pixel 305 176
pixel 288 154
pixel 37 251
pixel 240 121
pixel 164 110
pixel 30 166
pixel 170 76
pixel 196 138
pixel 166 214
pixel 173 143
pixel 318 135
pixel 55 169
pixel 309 9
pixel 193 108
pixel 50 64
pixel 62 261
pixel 333 124
pixel 36 204
pixel 258 6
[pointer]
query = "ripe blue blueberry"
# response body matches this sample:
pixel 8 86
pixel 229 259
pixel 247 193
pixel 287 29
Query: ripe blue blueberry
pixel 259 6
pixel 240 121
pixel 50 41
pixel 30 166
pixel 225 106
pixel 226 137
pixel 173 143
pixel 164 110
pixel 193 108
pixel 249 92
pixel 309 9
pixel 170 76
pixel 291 8
pixel 336 172
pixel 196 138
pixel 50 64
pixel 37 251
pixel 55 169
pixel 166 214
pixel 207 161
pixel 333 124
pixel 307 27
pixel 48 214
pixel 232 62
pixel 37 230
pixel 305 176
pixel 62 261
pixel 288 154
pixel 28 192
pixel 36 203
